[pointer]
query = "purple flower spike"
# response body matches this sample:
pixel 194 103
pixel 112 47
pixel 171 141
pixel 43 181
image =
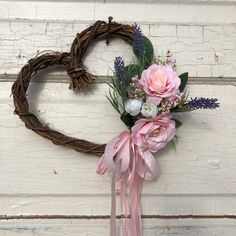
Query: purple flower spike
pixel 203 103
pixel 119 66
pixel 138 39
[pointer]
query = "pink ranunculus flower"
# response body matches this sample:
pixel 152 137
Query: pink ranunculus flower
pixel 159 82
pixel 153 134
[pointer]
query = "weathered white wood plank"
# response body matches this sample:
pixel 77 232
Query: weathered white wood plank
pixel 101 227
pixel 99 204
pixel 203 50
pixel 203 162
pixel 38 177
pixel 144 11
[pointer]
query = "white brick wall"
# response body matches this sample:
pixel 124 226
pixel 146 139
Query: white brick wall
pixel 203 43
pixel 205 51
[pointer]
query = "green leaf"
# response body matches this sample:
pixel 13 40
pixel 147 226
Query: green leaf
pixel 173 144
pixel 147 57
pixel 184 81
pixel 177 123
pixel 113 99
pixel 149 51
pixel 127 119
pixel 133 69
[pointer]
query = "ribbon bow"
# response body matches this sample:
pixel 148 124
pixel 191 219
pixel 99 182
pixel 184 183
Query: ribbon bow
pixel 130 165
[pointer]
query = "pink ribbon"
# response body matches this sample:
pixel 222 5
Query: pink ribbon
pixel 130 165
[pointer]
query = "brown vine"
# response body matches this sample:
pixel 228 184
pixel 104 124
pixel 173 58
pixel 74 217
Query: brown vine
pixel 73 63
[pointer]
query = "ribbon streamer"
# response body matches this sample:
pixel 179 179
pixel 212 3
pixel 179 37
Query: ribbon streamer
pixel 129 165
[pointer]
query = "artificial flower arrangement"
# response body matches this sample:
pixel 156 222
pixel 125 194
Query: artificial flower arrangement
pixel 145 95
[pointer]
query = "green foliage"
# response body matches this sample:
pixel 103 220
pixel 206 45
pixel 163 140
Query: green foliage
pixel 172 143
pixel 116 92
pixel 119 92
pixel 127 119
pixel 121 89
pixel 132 70
pixel 149 51
pixel 113 99
pixel 146 58
pixel 184 81
pixel 177 123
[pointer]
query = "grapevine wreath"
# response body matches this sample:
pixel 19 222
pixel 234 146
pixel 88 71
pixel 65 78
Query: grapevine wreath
pixel 146 95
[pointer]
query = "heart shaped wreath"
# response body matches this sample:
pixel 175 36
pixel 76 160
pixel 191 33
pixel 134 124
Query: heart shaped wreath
pixel 145 94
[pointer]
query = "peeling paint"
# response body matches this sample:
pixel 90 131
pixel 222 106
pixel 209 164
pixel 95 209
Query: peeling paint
pixel 21 230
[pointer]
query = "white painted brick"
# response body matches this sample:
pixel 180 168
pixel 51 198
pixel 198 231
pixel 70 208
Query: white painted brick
pixel 79 26
pixel 223 70
pixel 163 41
pixel 5 29
pixel 220 37
pixel 190 34
pixel 192 70
pixel 178 47
pixel 229 30
pixel 219 32
pixel 188 58
pixel 166 12
pixel 22 38
pixel 204 70
pixel 206 57
pixel 59 10
pixel 215 34
pixel 229 56
pixel 27 27
pixel 188 31
pixel 163 30
pixel 7 45
pixel 26 37
pixel 152 11
pixel 222 44
pixel 63 29
pixel 145 29
pixel 162 44
pixel 213 30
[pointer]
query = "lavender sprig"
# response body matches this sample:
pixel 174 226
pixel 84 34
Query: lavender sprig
pixel 203 103
pixel 138 39
pixel 119 84
pixel 119 67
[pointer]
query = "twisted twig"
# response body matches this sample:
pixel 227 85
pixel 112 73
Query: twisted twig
pixel 73 63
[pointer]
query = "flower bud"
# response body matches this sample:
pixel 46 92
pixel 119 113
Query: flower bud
pixel 133 107
pixel 149 110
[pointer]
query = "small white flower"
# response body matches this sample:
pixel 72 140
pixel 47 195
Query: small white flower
pixel 133 107
pixel 149 110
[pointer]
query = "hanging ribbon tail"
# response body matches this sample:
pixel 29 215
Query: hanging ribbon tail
pixel 124 207
pixel 116 159
pixel 130 165
pixel 144 167
pixel 135 208
pixel 113 207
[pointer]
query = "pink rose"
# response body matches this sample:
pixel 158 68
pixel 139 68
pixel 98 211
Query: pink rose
pixel 153 135
pixel 159 82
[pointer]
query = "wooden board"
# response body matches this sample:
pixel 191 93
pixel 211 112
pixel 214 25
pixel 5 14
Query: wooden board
pixel 41 179
pixel 152 227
